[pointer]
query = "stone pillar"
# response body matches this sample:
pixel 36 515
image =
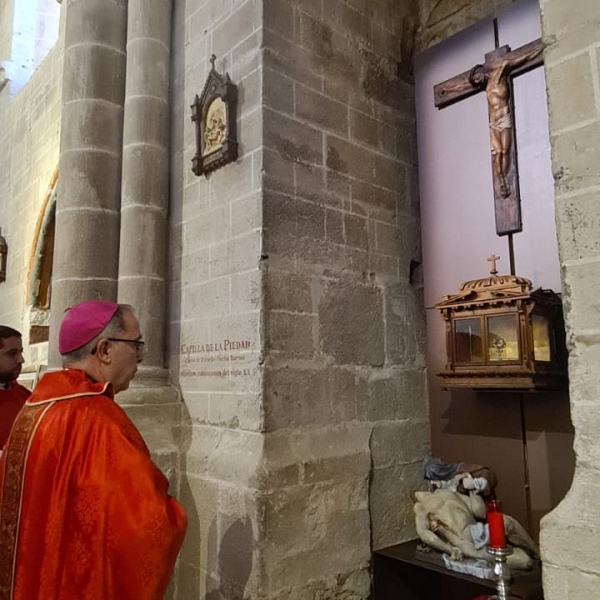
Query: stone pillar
pixel 570 534
pixel 215 309
pixel 87 216
pixel 145 177
pixel 151 401
pixel 345 402
pixel 298 255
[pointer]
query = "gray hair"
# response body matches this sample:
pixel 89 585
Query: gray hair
pixel 115 326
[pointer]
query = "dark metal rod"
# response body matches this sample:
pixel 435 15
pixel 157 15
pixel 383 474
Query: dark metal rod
pixel 511 254
pixel 511 257
pixel 526 464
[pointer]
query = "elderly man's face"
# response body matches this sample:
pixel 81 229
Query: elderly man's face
pixel 127 352
pixel 11 358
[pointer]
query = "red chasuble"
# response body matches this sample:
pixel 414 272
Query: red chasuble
pixel 84 512
pixel 11 401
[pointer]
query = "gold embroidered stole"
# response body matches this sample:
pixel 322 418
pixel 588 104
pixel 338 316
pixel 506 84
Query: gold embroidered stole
pixel 11 493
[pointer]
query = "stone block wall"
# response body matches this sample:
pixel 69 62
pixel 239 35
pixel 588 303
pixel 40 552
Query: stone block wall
pixel 31 126
pixel 440 20
pixel 296 326
pixel 6 31
pixel 569 537
pixel 28 31
pixel 296 318
pixel 215 304
pixel 344 383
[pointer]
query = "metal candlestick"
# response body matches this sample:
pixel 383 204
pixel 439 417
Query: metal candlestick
pixel 501 572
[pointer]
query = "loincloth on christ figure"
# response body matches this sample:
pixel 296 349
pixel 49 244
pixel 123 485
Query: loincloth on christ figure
pixel 502 123
pixel 477 567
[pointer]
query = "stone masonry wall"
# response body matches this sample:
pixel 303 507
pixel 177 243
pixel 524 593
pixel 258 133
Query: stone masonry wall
pixel 31 126
pixel 309 447
pixel 6 33
pixel 277 470
pixel 440 20
pixel 344 383
pixel 570 539
pixel 215 301
pixel 28 31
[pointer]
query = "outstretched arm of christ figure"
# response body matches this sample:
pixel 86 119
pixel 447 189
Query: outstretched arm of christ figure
pixel 524 55
pixel 461 86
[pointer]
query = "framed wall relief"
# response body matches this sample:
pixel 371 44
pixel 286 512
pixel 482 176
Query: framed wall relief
pixel 214 115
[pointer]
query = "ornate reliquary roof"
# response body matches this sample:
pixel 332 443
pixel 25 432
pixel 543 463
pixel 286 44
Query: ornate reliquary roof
pixel 494 290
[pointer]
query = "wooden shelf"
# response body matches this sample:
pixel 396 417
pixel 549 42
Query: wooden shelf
pixel 404 572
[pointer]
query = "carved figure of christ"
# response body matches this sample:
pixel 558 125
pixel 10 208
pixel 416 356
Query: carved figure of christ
pixel 494 78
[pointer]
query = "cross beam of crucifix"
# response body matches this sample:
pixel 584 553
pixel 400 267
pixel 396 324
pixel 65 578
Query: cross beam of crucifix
pixel 494 77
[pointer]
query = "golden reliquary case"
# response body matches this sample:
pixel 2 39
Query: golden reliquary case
pixel 503 335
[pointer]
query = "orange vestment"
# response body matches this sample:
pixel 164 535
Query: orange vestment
pixel 11 401
pixel 84 512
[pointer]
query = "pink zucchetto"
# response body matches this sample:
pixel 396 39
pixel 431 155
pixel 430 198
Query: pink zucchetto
pixel 83 322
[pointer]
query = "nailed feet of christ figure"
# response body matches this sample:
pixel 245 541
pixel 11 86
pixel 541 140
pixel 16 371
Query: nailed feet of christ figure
pixel 493 77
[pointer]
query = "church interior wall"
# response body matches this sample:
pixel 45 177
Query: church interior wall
pixel 344 368
pixel 31 134
pixel 214 345
pixel 6 29
pixel 300 264
pixel 569 536
pixel 317 224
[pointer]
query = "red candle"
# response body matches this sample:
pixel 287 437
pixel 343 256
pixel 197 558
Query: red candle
pixel 495 520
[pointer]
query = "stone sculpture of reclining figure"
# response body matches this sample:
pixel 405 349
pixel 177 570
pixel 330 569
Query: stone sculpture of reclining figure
pixel 451 518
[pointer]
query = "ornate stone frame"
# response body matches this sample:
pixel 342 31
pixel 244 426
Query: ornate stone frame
pixel 214 115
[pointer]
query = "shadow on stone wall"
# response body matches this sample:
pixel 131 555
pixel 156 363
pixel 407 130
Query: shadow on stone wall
pixel 234 558
pixel 216 558
pixel 188 569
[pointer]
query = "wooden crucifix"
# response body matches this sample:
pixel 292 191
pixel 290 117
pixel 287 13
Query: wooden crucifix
pixel 494 77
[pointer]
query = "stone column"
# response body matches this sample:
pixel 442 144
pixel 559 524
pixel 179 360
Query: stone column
pixel 145 182
pixel 151 401
pixel 570 534
pixel 345 399
pixel 87 215
pixel 309 439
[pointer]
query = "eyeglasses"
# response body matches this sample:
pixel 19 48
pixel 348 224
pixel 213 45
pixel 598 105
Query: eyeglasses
pixel 138 343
